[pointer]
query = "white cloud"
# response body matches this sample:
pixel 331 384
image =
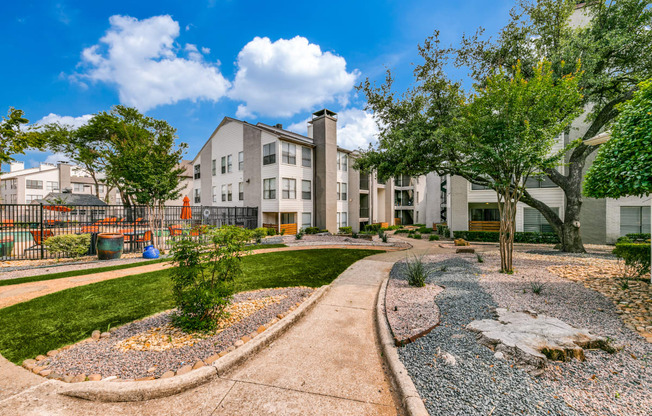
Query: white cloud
pixel 56 158
pixel 65 120
pixel 285 77
pixel 140 57
pixel 356 128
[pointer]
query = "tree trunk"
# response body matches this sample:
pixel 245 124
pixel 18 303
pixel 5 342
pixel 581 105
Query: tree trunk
pixel 507 209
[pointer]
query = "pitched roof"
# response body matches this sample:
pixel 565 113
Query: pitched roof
pixel 70 199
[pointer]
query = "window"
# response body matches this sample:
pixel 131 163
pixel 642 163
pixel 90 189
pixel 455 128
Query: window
pixel 287 218
pixel 344 191
pixel 214 167
pixel 229 162
pixel 223 193
pixel 476 187
pixel 634 220
pixel 197 171
pixel 306 157
pixel 306 190
pixel 364 182
pixel 342 219
pixel 540 182
pixel 289 188
pixel 214 193
pixel 52 186
pixel 229 192
pixel 289 153
pixel 240 160
pixel 30 198
pixel 269 153
pixel 345 162
pixel 534 221
pixel 485 214
pixel 306 220
pixel 403 198
pixel 403 180
pixel 80 187
pixel 31 184
pixel 339 190
pixel 416 200
pixel 223 164
pixel 240 191
pixel 269 188
pixel 342 161
pixel 197 196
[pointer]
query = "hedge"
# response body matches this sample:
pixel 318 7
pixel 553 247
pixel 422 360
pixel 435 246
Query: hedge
pixel 639 237
pixel 519 237
pixel 636 256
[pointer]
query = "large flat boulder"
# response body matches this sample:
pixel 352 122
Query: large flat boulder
pixel 532 339
pixel 411 311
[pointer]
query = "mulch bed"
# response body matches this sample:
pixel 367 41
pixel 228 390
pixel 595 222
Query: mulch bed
pixel 151 347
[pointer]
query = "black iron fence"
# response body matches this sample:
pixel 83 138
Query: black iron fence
pixel 24 228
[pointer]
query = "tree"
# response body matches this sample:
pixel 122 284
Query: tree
pixel 12 140
pixel 142 156
pixel 501 137
pixel 615 49
pixel 623 166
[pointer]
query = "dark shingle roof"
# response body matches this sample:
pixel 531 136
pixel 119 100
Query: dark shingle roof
pixel 70 199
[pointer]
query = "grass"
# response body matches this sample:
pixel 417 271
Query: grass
pixel 85 272
pixel 52 321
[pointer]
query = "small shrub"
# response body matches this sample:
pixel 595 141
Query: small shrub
pixel 519 237
pixel 299 235
pixel 346 230
pixel 636 258
pixel 624 283
pixel 202 279
pixel 391 227
pixel 383 237
pixel 259 233
pixel 416 236
pixel 271 231
pixel 416 271
pixel 443 230
pixel 372 227
pixel 282 231
pixel 354 235
pixel 425 230
pixel 624 239
pixel 639 237
pixel 480 259
pixel 537 287
pixel 402 231
pixel 69 245
pixel 443 269
pixel 312 230
pixel 433 237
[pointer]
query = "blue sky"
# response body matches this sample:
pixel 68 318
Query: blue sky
pixel 194 62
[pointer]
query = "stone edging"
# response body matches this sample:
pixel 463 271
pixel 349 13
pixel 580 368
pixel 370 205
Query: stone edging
pixel 408 394
pixel 131 391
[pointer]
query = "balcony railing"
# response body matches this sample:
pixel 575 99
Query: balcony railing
pixel 484 225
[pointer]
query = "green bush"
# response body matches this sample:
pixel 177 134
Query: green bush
pixel 433 237
pixel 203 276
pixel 261 232
pixel 443 230
pixel 624 239
pixel 346 230
pixel 636 257
pixel 401 231
pixel 312 230
pixel 418 225
pixel 425 230
pixel 416 236
pixel 416 271
pixel 639 237
pixel 271 231
pixel 519 237
pixel 372 227
pixel 69 245
pixel 299 235
pixel 391 227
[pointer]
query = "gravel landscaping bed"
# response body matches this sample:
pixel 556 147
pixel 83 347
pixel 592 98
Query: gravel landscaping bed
pixel 106 356
pixel 315 240
pixel 22 268
pixel 457 376
pixel 604 384
pixel 452 372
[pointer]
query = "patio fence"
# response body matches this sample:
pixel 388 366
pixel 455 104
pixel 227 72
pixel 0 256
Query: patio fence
pixel 24 227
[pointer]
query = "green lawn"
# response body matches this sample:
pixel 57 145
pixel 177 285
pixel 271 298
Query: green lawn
pixel 52 321
pixel 73 273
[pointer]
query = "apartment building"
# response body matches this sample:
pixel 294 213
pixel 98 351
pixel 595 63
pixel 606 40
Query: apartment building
pixel 22 186
pixel 296 181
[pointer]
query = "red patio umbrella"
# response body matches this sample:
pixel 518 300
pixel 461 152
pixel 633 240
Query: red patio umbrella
pixel 186 212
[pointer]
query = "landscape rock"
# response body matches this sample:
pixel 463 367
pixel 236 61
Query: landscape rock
pixel 533 339
pixel 78 378
pixel 105 334
pixel 467 250
pixel 168 374
pixel 184 370
pixel 96 334
pixel 461 242
pixel 40 357
pixel 198 364
pixel 95 377
pixel 52 353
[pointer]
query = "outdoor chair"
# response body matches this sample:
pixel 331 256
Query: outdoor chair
pixel 140 241
pixel 7 224
pixel 39 238
pixel 175 230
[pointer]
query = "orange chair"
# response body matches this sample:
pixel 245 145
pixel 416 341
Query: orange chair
pixel 175 230
pixel 39 238
pixel 7 224
pixel 147 237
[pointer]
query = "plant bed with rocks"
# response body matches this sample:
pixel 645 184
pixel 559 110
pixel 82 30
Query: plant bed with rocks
pixel 455 374
pixel 153 348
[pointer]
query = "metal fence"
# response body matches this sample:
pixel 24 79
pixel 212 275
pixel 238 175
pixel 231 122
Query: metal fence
pixel 25 227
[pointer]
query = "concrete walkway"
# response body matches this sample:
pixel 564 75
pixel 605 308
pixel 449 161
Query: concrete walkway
pixel 12 294
pixel 327 364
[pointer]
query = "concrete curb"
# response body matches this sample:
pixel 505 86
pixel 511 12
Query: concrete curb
pixel 131 391
pixel 408 394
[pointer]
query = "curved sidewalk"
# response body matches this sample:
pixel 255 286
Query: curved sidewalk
pixel 329 363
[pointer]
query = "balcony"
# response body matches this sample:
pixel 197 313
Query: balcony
pixel 364 212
